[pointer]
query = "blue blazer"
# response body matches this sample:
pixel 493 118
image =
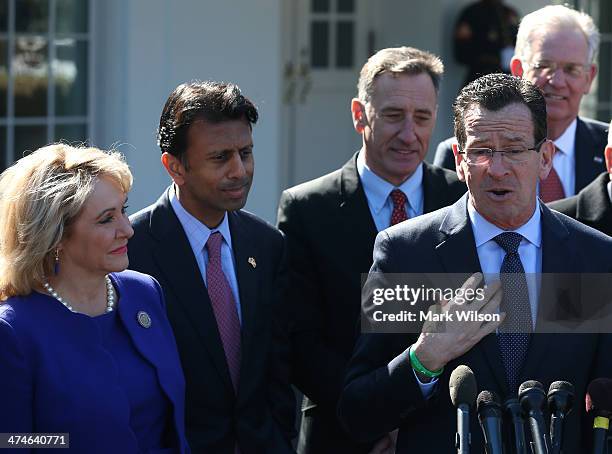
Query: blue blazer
pixel 56 376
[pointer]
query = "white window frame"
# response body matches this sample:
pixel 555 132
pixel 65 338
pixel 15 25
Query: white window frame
pixel 50 120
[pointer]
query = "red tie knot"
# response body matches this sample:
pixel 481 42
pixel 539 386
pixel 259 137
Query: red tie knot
pixel 398 197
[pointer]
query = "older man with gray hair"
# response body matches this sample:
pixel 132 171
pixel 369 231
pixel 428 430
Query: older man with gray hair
pixel 593 205
pixel 555 49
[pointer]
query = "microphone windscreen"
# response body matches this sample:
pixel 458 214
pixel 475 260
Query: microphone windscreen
pixel 599 397
pixel 487 399
pixel 561 386
pixel 462 386
pixel 530 384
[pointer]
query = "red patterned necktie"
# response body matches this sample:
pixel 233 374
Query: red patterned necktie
pixel 551 188
pixel 399 206
pixel 224 306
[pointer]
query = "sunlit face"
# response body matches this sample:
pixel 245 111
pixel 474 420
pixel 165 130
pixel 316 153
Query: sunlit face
pixel 219 169
pixel 96 242
pixel 396 124
pixel 504 194
pixel 563 92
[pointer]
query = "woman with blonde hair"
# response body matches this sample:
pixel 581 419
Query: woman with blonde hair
pixel 85 346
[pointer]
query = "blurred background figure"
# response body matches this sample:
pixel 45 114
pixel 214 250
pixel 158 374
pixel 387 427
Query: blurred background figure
pixel 484 37
pixel 85 347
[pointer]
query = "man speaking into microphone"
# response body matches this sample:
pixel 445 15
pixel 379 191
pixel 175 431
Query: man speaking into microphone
pixel 498 228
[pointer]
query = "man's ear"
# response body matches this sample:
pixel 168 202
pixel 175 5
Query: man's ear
pixel 591 76
pixel 458 161
pixel 174 167
pixel 358 114
pixel 516 67
pixel 608 156
pixel 547 151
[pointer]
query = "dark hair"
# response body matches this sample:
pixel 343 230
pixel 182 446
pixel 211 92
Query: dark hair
pixel 496 91
pixel 214 102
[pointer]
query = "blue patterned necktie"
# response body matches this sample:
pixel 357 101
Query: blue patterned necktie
pixel 514 333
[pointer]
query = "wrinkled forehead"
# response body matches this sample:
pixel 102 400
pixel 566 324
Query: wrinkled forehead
pixel 562 43
pixel 400 89
pixel 510 123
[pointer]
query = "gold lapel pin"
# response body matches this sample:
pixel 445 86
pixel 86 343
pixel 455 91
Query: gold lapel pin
pixel 143 319
pixel 252 262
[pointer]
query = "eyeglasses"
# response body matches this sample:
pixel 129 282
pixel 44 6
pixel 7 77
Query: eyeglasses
pixel 482 156
pixel 547 69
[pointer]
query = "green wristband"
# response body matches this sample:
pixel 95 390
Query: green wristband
pixel 416 365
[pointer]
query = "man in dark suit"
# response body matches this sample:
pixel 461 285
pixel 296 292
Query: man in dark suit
pixel 331 222
pixel 593 204
pixel 401 380
pixel 222 271
pixel 555 49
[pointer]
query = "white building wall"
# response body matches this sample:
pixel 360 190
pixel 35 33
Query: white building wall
pixel 145 48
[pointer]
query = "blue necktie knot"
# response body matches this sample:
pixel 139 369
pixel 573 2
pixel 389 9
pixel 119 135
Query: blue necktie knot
pixel 509 241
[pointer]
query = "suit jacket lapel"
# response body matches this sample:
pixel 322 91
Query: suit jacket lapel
pixel 593 203
pixel 245 253
pixel 354 205
pixel 175 259
pixel 457 252
pixel 150 341
pixel 436 192
pixel 556 257
pixel 584 155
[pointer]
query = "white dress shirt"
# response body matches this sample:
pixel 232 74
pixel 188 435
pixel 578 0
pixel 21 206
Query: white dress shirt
pixel 491 255
pixel 197 234
pixel 564 160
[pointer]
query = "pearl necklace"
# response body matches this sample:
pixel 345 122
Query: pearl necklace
pixel 110 295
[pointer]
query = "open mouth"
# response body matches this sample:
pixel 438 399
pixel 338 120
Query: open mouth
pixel 499 194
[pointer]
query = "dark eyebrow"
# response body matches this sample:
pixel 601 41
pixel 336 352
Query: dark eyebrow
pixel 230 150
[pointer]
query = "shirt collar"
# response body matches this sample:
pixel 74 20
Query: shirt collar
pixel 378 189
pixel 565 142
pixel 485 231
pixel 197 232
